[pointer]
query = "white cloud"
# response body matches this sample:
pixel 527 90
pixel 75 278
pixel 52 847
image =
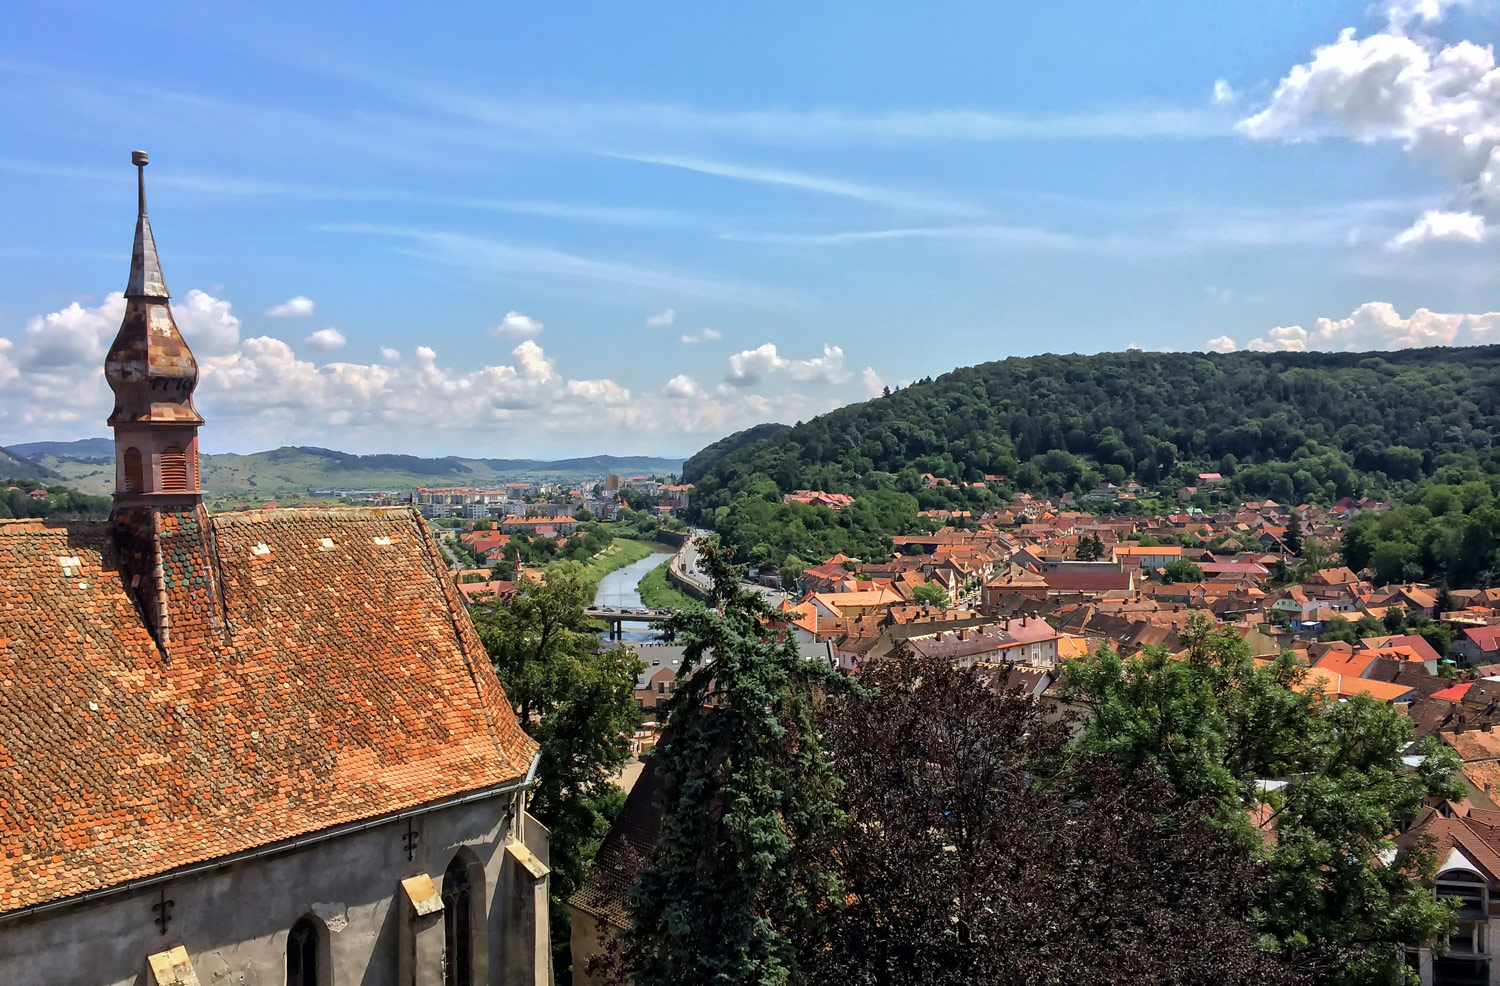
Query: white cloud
pixel 293 308
pixel 1376 325
pixel 1223 92
pixel 705 335
pixel 682 387
pixel 1288 338
pixel 206 323
pixel 517 326
pixel 1440 102
pixel 874 386
pixel 598 391
pixel 326 339
pixel 752 366
pixel 260 393
pixel 1436 226
pixel 661 318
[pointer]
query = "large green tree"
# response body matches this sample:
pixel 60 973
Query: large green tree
pixel 1216 724
pixel 575 698
pixel 746 793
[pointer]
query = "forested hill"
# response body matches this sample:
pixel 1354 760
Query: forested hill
pixel 1292 426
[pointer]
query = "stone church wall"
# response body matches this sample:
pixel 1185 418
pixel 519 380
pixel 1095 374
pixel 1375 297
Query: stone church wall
pixel 234 919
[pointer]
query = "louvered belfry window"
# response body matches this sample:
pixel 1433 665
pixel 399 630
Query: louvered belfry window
pixel 174 470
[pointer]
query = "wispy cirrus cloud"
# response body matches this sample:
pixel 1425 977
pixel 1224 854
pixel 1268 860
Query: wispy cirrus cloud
pixel 483 255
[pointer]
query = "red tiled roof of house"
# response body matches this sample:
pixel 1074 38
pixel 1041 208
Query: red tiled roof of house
pixel 1351 665
pixel 344 681
pixel 1485 638
pixel 1453 693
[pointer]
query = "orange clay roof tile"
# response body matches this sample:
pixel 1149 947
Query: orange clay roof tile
pixel 302 687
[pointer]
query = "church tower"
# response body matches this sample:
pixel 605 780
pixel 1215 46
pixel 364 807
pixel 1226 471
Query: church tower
pixel 160 527
pixel 153 374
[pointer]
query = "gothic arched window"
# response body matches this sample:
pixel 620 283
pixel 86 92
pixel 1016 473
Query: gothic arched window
pixel 458 954
pixel 135 477
pixel 302 955
pixel 174 470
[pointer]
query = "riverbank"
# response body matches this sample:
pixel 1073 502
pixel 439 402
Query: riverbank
pixel 621 552
pixel 657 593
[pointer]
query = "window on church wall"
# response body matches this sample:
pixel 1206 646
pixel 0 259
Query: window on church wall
pixel 302 955
pixel 135 474
pixel 174 470
pixel 458 946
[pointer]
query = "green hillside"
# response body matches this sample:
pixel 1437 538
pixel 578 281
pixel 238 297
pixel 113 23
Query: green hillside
pixel 291 470
pixel 13 465
pixel 1291 426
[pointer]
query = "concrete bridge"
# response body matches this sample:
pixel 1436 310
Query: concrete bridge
pixel 618 618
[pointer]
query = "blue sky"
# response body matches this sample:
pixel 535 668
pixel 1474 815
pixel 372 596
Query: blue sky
pixel 488 212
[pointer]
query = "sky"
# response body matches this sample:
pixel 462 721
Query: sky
pixel 509 230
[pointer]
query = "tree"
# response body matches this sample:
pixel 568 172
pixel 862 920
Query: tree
pixel 1293 539
pixel 1394 619
pixel 982 853
pixel 576 699
pixel 1214 724
pixel 746 793
pixel 1090 548
pixel 1181 570
pixel 930 594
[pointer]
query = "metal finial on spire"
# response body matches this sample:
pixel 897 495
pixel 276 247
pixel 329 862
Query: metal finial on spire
pixel 146 279
pixel 140 160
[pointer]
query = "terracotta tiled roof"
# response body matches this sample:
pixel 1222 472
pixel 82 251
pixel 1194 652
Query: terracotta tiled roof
pixel 343 681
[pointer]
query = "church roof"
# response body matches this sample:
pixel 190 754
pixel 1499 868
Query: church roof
pixel 327 674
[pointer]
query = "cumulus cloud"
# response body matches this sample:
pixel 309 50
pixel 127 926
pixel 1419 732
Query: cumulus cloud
pixel 1223 92
pixel 297 307
pixel 259 393
pixel 705 335
pixel 870 380
pixel 1440 102
pixel 751 367
pixel 327 339
pixel 661 318
pixel 1376 325
pixel 1283 338
pixel 517 326
pixel 1436 226
pixel 682 387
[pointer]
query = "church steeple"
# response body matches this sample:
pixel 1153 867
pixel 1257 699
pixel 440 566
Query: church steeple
pixel 153 375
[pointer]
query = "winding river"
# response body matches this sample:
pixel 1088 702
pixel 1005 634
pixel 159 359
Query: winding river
pixel 618 589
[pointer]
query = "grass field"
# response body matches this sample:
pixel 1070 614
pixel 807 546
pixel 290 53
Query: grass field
pixel 657 593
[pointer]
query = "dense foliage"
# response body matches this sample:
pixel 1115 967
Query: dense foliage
pixel 746 792
pixel 1214 724
pixel 1445 532
pixel 575 698
pixel 1292 426
pixel 981 852
pixel 705 459
pixel 60 503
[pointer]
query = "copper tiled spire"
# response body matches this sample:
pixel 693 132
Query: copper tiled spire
pixel 149 367
pixel 146 280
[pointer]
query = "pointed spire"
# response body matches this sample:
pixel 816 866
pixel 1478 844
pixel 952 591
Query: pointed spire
pixel 146 280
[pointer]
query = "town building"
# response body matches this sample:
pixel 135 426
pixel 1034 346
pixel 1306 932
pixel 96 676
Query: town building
pixel 260 747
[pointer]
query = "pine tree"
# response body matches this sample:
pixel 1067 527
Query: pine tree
pixel 1293 539
pixel 746 791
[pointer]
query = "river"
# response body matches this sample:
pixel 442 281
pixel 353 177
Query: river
pixel 618 589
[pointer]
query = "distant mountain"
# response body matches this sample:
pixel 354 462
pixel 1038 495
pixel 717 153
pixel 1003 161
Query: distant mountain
pixel 84 448
pixel 296 469
pixel 16 466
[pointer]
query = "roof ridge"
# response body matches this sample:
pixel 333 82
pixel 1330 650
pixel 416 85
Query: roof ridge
pixel 235 517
